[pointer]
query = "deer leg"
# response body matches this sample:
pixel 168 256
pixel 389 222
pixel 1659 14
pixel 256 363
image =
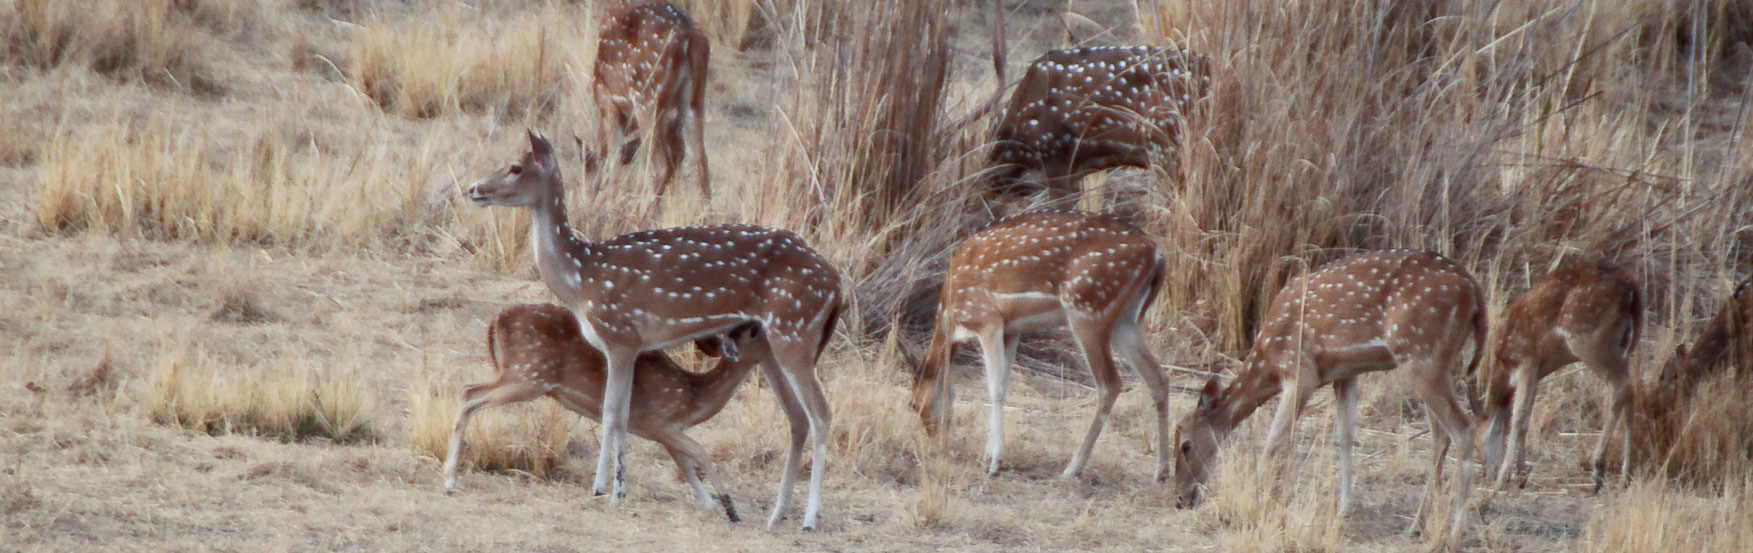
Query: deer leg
pixel 1127 339
pixel 797 359
pixel 1094 339
pixel 995 350
pixel 629 128
pixel 617 402
pixel 799 422
pixel 666 151
pixel 1612 367
pixel 1515 455
pixel 1345 419
pixel 476 398
pixel 1450 423
pixel 696 465
pixel 1292 396
pixel 697 150
pixel 1439 451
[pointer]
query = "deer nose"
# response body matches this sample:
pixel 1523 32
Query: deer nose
pixel 476 194
pixel 1188 500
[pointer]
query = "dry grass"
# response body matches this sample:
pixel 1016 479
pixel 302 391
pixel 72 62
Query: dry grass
pixel 274 184
pixel 165 43
pixel 529 437
pixel 1652 515
pixel 192 390
pixel 450 60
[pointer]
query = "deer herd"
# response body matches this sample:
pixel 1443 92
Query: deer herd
pixel 753 296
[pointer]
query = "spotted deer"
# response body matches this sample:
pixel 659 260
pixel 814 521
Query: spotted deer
pixel 1368 312
pixel 654 289
pixel 1589 312
pixel 1081 111
pixel 537 350
pixel 1726 342
pixel 1094 274
pixel 650 78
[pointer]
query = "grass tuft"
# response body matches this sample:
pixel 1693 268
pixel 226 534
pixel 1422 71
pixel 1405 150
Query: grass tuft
pixel 427 66
pixel 191 390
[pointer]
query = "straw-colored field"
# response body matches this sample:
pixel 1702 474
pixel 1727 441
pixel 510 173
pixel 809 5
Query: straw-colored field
pixel 242 293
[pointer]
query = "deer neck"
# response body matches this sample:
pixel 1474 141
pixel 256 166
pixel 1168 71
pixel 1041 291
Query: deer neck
pixel 561 258
pixel 714 388
pixel 1254 387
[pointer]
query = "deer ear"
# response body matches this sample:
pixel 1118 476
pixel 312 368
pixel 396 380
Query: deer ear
pixel 1208 395
pixel 542 150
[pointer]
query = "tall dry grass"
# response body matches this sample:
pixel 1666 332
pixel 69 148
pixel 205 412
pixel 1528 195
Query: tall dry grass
pixel 453 59
pixel 158 177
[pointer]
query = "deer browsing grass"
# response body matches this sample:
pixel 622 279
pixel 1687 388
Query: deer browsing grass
pixel 323 145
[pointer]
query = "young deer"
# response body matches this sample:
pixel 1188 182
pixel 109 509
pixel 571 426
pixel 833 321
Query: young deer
pixel 654 289
pixel 1726 342
pixel 1589 312
pixel 1368 312
pixel 651 78
pixel 1093 109
pixel 537 350
pixel 1092 273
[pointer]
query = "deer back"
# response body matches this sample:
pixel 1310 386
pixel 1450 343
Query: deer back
pixel 1084 110
pixel 1090 260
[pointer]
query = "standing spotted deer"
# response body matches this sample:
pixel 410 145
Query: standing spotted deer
pixel 654 289
pixel 1368 312
pixel 537 350
pixel 1081 111
pixel 651 79
pixel 1589 312
pixel 1092 273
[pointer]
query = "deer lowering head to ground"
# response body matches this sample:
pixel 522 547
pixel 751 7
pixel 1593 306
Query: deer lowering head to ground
pixel 1589 312
pixel 1094 274
pixel 1374 311
pixel 1724 343
pixel 654 289
pixel 650 79
pixel 1092 109
pixel 537 350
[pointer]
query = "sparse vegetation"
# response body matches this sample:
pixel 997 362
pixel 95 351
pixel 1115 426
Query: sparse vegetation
pixel 318 146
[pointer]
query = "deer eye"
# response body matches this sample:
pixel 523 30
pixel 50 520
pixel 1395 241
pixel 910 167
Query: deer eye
pixel 515 170
pixel 1187 448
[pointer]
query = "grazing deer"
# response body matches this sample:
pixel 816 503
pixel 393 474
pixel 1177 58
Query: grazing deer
pixel 1093 109
pixel 537 350
pixel 654 289
pixel 1725 342
pixel 651 78
pixel 1092 273
pixel 1367 312
pixel 1589 312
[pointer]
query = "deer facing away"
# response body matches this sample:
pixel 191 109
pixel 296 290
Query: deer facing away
pixel 1590 312
pixel 1092 273
pixel 650 78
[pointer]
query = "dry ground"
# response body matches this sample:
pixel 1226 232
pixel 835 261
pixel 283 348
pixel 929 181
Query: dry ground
pixel 261 357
